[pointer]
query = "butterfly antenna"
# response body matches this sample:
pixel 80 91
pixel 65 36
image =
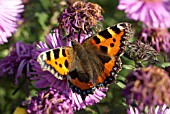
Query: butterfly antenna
pixel 79 35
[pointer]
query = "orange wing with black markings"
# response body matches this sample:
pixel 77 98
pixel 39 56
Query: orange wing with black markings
pixel 111 43
pixel 112 40
pixel 56 61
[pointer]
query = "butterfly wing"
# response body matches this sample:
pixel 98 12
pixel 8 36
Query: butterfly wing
pixel 109 45
pixel 111 42
pixel 56 61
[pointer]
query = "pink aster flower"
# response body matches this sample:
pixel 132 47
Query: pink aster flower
pixel 157 38
pixel 55 101
pixel 154 13
pixel 44 79
pixel 147 88
pixel 158 110
pixel 9 15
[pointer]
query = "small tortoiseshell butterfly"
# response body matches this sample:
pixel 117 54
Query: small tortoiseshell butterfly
pixel 94 63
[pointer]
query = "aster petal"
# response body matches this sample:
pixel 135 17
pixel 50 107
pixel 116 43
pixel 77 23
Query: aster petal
pixel 3 37
pixel 131 110
pixel 123 4
pixel 154 18
pixel 18 59
pixel 143 14
pixel 136 10
pixel 54 39
pixel 154 14
pixel 9 15
pixel 20 70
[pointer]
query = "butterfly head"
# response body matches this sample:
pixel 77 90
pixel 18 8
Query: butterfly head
pixel 75 44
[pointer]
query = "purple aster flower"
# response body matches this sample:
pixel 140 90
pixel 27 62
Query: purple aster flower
pixel 45 79
pixel 18 61
pixel 132 110
pixel 9 15
pixel 153 13
pixel 158 110
pixel 52 101
pixel 80 16
pixel 158 38
pixel 148 87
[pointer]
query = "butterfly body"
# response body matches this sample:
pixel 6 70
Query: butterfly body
pixel 85 63
pixel 93 63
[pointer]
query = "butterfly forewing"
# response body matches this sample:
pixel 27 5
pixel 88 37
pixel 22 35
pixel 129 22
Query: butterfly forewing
pixel 56 61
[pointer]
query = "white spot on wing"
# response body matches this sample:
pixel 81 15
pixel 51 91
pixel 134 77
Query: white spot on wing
pixel 52 71
pixel 45 67
pixel 48 68
pixel 120 27
pixel 44 56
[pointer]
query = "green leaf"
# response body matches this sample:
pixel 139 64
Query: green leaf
pixel 42 19
pixel 166 64
pixel 130 67
pixel 121 85
pixel 4 53
pixel 45 3
pixel 120 77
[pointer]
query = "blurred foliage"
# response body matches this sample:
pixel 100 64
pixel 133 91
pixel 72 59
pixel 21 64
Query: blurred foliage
pixel 39 18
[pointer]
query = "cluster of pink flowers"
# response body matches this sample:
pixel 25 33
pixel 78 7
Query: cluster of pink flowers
pixel 154 15
pixel 140 89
